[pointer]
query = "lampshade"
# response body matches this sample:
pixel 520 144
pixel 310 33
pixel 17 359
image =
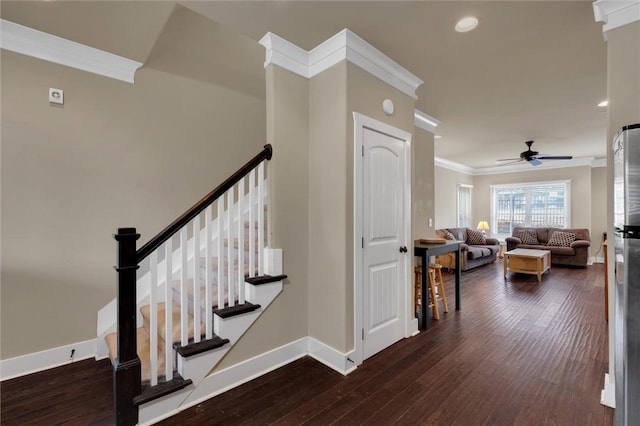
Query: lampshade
pixel 483 225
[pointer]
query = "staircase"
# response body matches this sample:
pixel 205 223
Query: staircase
pixel 208 277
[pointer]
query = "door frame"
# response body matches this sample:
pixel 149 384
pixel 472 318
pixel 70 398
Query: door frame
pixel 361 122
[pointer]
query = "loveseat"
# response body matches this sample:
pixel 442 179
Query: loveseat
pixel 476 250
pixel 569 247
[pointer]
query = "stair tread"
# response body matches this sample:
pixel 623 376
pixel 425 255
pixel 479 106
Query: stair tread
pixel 264 279
pixel 149 393
pixel 194 348
pixel 231 311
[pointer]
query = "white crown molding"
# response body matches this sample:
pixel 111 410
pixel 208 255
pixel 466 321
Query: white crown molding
pixel 425 121
pixel 520 167
pixel 451 165
pixel 345 45
pixel 285 54
pixel 27 41
pixel 616 13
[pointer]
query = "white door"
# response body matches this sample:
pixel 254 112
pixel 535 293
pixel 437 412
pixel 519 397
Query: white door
pixel 385 247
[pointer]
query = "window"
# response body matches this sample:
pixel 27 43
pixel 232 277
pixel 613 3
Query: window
pixel 463 215
pixel 537 204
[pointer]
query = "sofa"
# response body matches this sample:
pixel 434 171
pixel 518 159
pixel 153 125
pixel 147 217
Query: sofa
pixel 474 251
pixel 570 247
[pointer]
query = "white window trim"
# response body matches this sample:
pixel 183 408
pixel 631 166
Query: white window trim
pixel 567 202
pixel 470 187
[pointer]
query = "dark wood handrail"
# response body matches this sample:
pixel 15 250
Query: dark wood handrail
pixel 168 232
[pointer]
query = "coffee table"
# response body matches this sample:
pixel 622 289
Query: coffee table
pixel 527 261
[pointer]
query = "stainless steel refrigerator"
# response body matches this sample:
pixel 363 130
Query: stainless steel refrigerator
pixel 626 183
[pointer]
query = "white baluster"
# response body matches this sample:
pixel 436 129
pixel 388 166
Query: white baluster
pixel 261 244
pixel 221 252
pixel 230 277
pixel 153 318
pixel 184 301
pixel 252 223
pixel 196 279
pixel 168 314
pixel 240 218
pixel 208 273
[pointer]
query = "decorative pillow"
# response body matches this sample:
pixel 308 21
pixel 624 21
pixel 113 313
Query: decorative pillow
pixel 561 239
pixel 527 236
pixel 448 235
pixel 475 237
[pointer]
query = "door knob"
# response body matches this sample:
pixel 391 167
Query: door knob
pixel 403 249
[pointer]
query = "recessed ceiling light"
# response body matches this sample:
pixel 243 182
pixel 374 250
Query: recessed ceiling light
pixel 466 24
pixel 437 137
pixel 603 104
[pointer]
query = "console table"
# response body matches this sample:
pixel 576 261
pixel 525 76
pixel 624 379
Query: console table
pixel 424 251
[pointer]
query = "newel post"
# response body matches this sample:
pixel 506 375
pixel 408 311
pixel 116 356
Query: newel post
pixel 127 368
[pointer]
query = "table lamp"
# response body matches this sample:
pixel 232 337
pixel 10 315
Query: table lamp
pixel 483 226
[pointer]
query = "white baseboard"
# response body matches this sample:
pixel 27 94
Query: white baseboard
pixel 32 363
pixel 413 328
pixel 330 357
pixel 598 259
pixel 608 394
pixel 245 371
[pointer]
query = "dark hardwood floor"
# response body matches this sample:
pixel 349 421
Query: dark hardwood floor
pixel 518 353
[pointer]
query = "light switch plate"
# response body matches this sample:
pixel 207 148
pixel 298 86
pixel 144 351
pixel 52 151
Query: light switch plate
pixel 56 96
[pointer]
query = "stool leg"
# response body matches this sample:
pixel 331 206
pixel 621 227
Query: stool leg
pixel 432 293
pixel 445 307
pixel 418 289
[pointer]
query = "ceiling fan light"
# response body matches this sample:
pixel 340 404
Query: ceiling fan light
pixel 466 24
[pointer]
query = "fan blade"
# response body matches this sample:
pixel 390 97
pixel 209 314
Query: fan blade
pixel 513 161
pixel 509 159
pixel 554 157
pixel 535 162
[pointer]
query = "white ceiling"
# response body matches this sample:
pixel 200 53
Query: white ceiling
pixel 531 70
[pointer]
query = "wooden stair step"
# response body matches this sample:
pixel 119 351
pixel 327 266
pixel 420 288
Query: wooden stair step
pixel 195 348
pixel 149 393
pixel 264 279
pixel 231 311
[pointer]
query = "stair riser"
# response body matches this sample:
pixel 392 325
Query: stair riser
pixel 233 327
pixel 199 366
pixel 151 412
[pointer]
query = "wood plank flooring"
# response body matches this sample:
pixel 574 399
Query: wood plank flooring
pixel 518 353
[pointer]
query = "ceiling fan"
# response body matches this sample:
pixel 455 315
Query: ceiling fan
pixel 533 157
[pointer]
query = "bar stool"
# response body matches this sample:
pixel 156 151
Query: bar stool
pixel 432 292
pixel 435 276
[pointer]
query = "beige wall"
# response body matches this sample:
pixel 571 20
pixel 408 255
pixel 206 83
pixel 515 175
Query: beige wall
pixel 598 210
pixel 423 185
pixel 287 131
pixel 329 181
pixel 446 186
pixel 114 155
pixel 623 81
